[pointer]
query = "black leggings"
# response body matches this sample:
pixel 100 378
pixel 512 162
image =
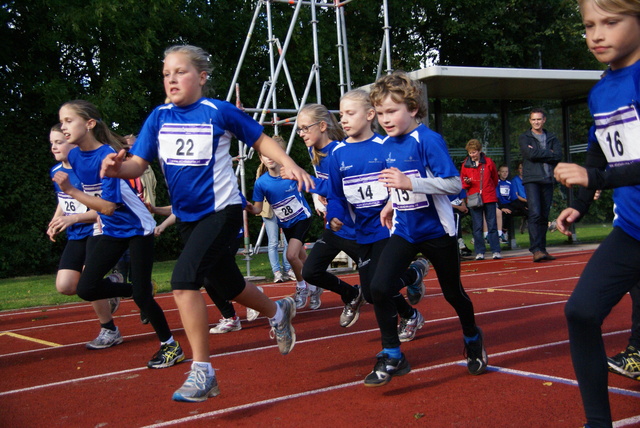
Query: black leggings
pixel 206 254
pixel 443 254
pixel 106 253
pixel 612 271
pixel 323 252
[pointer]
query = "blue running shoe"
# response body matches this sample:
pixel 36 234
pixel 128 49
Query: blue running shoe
pixel 415 291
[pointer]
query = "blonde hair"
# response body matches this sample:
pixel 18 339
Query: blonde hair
pixel 262 168
pixel 361 96
pixel 101 131
pixel 402 89
pixel 473 144
pixel 621 7
pixel 198 57
pixel 319 113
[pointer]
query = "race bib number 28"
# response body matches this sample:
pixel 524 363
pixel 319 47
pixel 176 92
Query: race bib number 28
pixel 186 143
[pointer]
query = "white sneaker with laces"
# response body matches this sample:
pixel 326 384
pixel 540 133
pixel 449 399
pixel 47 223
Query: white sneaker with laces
pixel 291 275
pixel 226 325
pixel 277 277
pixel 314 298
pixel 480 256
pixel 105 339
pixel 301 297
pixel 497 256
pixel 252 314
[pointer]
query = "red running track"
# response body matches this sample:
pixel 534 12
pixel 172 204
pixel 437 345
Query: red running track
pixel 48 377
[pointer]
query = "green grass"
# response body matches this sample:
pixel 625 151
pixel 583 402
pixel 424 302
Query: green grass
pixel 24 292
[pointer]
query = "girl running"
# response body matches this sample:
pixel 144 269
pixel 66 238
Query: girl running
pixel 78 222
pixel 356 195
pixel 126 223
pixel 613 36
pixel 320 132
pixel 293 214
pixel 191 137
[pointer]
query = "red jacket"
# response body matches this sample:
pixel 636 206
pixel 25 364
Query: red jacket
pixel 489 178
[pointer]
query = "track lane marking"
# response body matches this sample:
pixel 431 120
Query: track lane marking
pixel 30 339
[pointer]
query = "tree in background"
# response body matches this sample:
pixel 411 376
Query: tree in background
pixel 110 54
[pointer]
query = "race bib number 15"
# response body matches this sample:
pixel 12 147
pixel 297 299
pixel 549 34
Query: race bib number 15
pixel 407 200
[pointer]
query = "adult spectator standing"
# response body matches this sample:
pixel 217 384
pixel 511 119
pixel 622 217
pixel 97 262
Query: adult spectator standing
pixel 479 178
pixel 541 151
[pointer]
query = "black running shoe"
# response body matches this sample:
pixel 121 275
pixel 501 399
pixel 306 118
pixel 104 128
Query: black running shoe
pixel 168 355
pixel 476 355
pixel 385 369
pixel 626 363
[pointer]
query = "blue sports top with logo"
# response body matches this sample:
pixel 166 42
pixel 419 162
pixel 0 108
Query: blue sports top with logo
pixel 422 153
pixel 287 202
pixel 356 193
pixel 322 188
pixel 71 206
pixel 192 144
pixel 131 217
pixel 614 105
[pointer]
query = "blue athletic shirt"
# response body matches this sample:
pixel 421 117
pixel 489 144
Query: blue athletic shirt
pixel 614 105
pixel 356 194
pixel 322 188
pixel 192 144
pixel 71 206
pixel 518 187
pixel 417 216
pixel 287 202
pixel 505 192
pixel 131 217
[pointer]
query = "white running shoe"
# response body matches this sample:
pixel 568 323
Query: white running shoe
pixel 409 327
pixel 283 332
pixel 314 298
pixel 105 339
pixel 301 297
pixel 480 256
pixel 291 275
pixel 226 325
pixel 252 314
pixel 277 277
pixel 497 256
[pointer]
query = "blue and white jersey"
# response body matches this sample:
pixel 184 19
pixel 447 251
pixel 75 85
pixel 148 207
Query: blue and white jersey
pixel 192 144
pixel 518 187
pixel 322 188
pixel 70 206
pixel 287 202
pixel 505 192
pixel 131 217
pixel 355 192
pixel 614 105
pixel 417 216
pixel 322 169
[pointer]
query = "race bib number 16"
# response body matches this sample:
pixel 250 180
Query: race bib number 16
pixel 186 143
pixel 618 133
